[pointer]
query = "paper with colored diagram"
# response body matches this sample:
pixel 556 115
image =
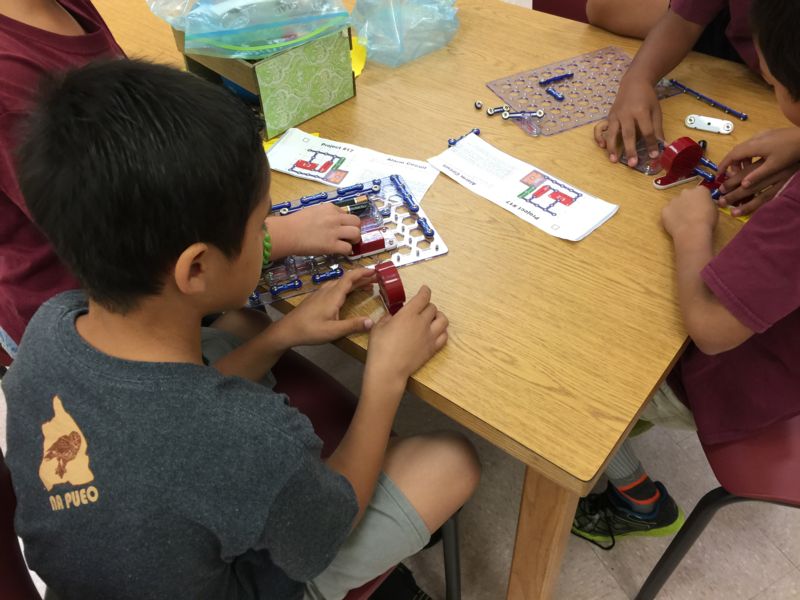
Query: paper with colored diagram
pixel 533 195
pixel 335 163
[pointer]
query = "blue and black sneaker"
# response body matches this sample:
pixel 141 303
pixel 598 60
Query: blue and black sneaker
pixel 602 518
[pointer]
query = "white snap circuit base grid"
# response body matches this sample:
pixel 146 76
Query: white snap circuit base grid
pixel 393 228
pixel 587 95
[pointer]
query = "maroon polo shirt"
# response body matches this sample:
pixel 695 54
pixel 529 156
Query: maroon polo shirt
pixel 738 31
pixel 30 273
pixel 757 278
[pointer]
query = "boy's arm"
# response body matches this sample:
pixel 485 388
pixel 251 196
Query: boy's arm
pixel 360 455
pixel 254 359
pixel 399 345
pixel 636 104
pixel 321 229
pixel 690 220
pixel 315 321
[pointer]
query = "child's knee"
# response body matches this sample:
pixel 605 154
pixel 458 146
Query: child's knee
pixel 457 462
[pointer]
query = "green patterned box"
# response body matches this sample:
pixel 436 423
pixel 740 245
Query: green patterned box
pixel 294 85
pixel 303 82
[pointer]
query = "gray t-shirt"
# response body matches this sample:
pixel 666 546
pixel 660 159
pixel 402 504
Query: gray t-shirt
pixel 162 480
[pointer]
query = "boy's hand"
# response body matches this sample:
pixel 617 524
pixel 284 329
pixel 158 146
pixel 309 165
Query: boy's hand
pixel 316 320
pixel 400 344
pixel 692 209
pixel 635 109
pixel 321 229
pixel 778 154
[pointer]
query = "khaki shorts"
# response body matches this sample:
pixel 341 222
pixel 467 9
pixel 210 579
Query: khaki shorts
pixel 667 410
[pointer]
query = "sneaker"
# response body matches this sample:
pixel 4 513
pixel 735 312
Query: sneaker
pixel 400 585
pixel 602 518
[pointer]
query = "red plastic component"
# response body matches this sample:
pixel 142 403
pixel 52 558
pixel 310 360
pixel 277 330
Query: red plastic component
pixel 391 286
pixel 562 198
pixel 679 160
pixel 325 166
pixel 541 191
pixel 371 243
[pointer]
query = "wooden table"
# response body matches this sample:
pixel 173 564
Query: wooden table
pixel 554 346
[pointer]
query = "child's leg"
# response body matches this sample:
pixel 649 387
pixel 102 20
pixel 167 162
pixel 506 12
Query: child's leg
pixel 630 481
pixel 438 473
pixel 634 504
pixel 426 479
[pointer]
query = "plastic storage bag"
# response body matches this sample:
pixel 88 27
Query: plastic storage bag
pixel 398 31
pixel 250 29
pixel 172 11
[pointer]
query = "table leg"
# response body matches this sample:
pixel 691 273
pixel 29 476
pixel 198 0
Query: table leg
pixel 545 519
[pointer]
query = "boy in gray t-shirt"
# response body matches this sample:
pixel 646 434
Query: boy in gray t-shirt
pixel 139 471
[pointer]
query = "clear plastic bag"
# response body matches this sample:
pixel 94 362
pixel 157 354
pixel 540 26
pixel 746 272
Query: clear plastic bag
pixel 172 11
pixel 250 29
pixel 398 31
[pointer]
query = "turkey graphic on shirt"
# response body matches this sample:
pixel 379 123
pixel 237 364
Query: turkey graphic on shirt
pixel 64 451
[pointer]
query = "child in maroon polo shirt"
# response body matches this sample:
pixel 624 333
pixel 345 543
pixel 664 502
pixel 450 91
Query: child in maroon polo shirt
pixel 44 36
pixel 36 37
pixel 741 309
pixel 717 27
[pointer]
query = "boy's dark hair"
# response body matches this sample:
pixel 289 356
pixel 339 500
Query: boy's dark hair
pixel 774 24
pixel 126 163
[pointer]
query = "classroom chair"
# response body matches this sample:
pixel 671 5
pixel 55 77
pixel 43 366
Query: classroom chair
pixel 15 580
pixel 763 467
pixel 569 9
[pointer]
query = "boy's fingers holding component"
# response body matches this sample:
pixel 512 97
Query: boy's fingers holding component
pixel 420 300
pixel 650 138
pixel 440 323
pixel 751 206
pixel 658 123
pixel 429 312
pixel 342 247
pixel 349 231
pixel 600 130
pixel 344 327
pixel 356 278
pixel 613 145
pixel 629 142
pixel 347 220
pixel 441 341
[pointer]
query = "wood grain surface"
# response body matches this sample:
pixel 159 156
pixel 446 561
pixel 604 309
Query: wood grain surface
pixel 554 346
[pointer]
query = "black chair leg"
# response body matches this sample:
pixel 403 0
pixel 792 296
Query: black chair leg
pixel 686 537
pixel 452 559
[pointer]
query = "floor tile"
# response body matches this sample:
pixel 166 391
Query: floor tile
pixel 781 524
pixel 584 577
pixel 787 588
pixel 732 559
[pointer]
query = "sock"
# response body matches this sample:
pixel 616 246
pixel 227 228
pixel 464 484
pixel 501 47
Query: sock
pixel 630 481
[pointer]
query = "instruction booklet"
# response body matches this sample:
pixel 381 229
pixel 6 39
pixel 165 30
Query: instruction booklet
pixel 533 195
pixel 303 155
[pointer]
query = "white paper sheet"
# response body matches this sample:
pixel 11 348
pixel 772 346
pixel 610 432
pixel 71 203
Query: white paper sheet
pixel 336 163
pixel 533 195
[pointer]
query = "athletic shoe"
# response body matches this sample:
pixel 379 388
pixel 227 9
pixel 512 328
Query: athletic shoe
pixel 602 518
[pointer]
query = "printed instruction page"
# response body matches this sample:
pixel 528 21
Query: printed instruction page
pixel 303 155
pixel 533 195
